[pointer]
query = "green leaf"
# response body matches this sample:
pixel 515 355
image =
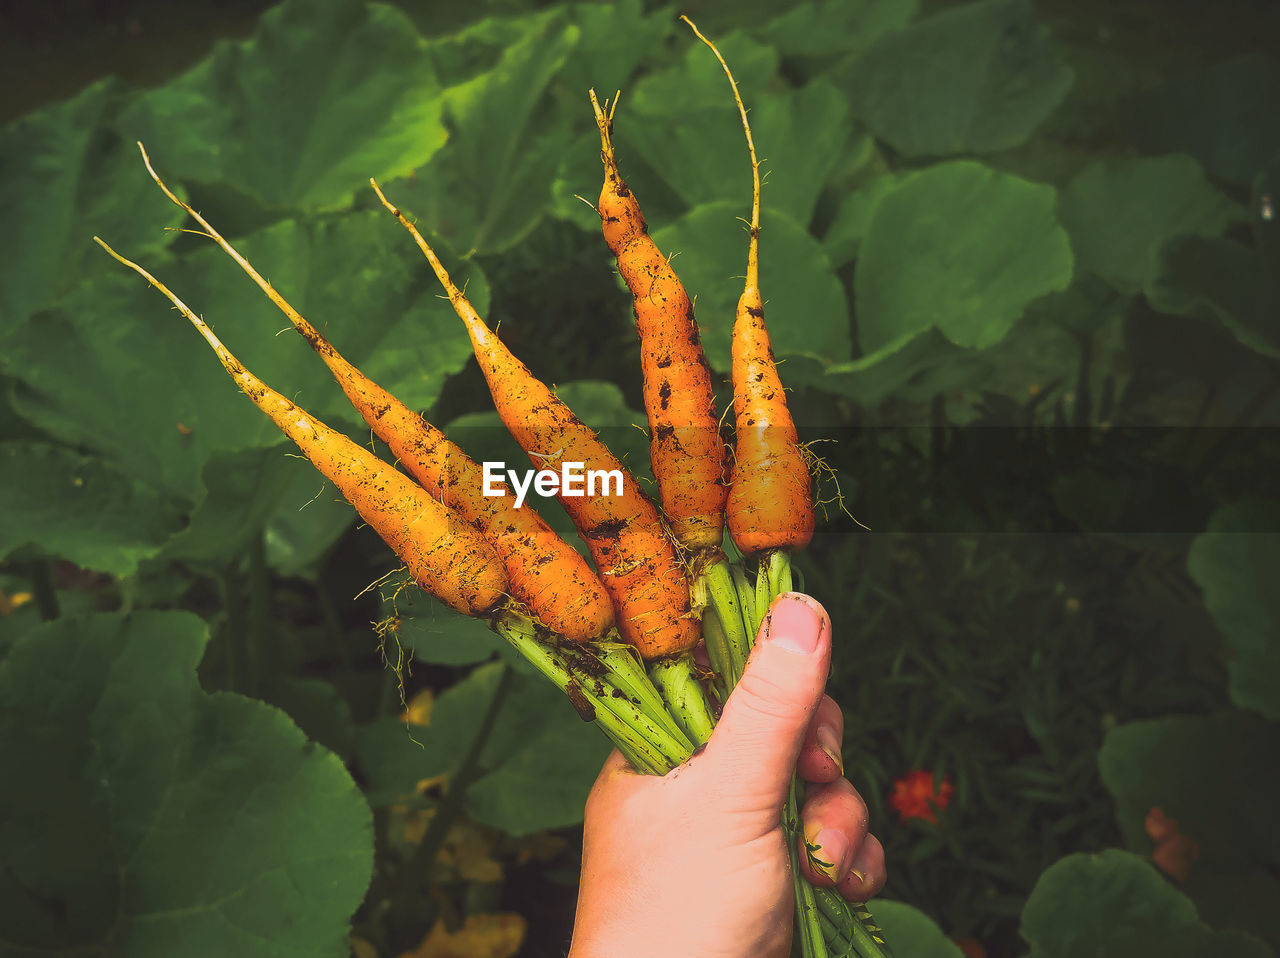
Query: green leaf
pixel 437 634
pixel 242 490
pixel 1118 212
pixel 326 94
pixel 1217 115
pixel 615 38
pixel 309 520
pixel 962 248
pixel 1219 776
pixel 320 711
pixel 79 508
pixel 1224 280
pixel 827 27
pixel 491 183
pixel 67 175
pixel 116 370
pixel 696 82
pixel 1235 562
pixel 974 78
pixel 805 305
pixel 910 932
pixel 153 813
pixel 1132 912
pixel 869 379
pixel 701 152
pixel 844 236
pixel 544 783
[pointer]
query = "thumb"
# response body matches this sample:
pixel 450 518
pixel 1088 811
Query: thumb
pixel 755 745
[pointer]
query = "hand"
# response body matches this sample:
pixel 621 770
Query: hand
pixel 695 862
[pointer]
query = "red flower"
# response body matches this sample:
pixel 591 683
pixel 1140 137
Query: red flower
pixel 915 797
pixel 1174 852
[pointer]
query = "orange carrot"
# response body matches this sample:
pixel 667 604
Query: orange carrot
pixel 443 553
pixel 623 531
pixel 770 496
pixel 545 572
pixel 685 449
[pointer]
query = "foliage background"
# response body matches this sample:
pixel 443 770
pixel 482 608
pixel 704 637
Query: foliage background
pixel 1021 262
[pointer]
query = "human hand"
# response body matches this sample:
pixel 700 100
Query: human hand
pixel 695 862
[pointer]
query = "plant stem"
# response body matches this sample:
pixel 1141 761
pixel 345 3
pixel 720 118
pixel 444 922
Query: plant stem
pixel 677 682
pixel 44 589
pixel 723 601
pixel 419 864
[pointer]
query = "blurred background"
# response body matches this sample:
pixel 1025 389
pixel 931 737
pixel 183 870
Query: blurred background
pixel 1023 274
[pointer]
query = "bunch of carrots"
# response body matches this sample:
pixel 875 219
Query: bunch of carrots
pixel 617 639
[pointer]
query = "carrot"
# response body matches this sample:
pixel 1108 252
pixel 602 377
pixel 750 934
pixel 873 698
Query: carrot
pixel 443 553
pixel 685 449
pixel 770 497
pixel 545 572
pixel 623 532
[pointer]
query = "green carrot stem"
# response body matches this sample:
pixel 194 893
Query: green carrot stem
pixel 855 923
pixel 717 645
pixel 677 682
pixel 648 747
pixel 746 594
pixel 625 671
pixel 777 569
pixel 813 943
pixel 722 595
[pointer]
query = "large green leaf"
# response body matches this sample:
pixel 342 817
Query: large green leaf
pixel 1219 776
pixel 973 78
pixel 437 634
pixel 1222 278
pixel 1118 213
pixel 491 183
pixel 544 784
pixel 848 227
pixel 242 488
pixel 826 27
pixel 1115 905
pixel 310 518
pixel 142 810
pixel 1215 114
pixel 78 508
pixel 537 763
pixel 116 370
pixel 701 153
pixel 326 94
pixel 805 305
pixel 696 82
pixel 1236 562
pixel 870 378
pixel 959 247
pixel 910 932
pixel 64 176
pixel 615 38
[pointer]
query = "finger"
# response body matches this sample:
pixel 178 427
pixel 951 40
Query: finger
pixel 755 745
pixel 615 767
pixel 820 758
pixel 834 819
pixel 866 875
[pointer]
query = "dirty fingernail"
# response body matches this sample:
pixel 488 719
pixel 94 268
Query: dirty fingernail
pixel 827 851
pixel 829 742
pixel 794 623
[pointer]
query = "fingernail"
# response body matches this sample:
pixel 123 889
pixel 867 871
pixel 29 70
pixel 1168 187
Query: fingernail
pixel 829 742
pixel 794 623
pixel 827 851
